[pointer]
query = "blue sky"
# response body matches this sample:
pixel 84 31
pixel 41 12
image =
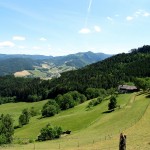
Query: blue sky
pixel 61 27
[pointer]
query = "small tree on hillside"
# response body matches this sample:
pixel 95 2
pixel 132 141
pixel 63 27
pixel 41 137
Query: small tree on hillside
pixel 24 117
pixel 66 101
pixel 50 108
pixel 113 103
pixel 6 129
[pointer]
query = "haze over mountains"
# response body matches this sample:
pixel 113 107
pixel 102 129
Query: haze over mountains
pixel 46 66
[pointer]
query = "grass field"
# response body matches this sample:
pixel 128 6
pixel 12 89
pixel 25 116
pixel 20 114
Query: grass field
pixel 92 129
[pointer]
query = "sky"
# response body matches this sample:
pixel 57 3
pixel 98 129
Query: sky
pixel 62 27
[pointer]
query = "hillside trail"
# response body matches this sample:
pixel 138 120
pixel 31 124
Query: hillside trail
pixel 133 98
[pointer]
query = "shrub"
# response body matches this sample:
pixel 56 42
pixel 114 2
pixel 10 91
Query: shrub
pixel 33 112
pixel 50 108
pixel 94 102
pixel 95 92
pixel 24 117
pixel 6 129
pixel 49 133
pixel 66 101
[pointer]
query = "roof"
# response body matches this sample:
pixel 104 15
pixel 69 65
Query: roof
pixel 127 87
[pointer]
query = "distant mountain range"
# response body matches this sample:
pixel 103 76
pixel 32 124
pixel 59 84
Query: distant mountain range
pixel 46 66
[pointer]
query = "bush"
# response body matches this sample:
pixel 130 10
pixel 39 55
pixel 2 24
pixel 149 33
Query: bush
pixel 50 108
pixel 34 98
pixel 3 139
pixel 94 102
pixel 6 129
pixel 95 92
pixel 66 101
pixel 24 117
pixel 49 133
pixel 33 112
pixel 77 97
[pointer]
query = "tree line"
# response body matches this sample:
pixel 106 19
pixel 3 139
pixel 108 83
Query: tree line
pixel 105 74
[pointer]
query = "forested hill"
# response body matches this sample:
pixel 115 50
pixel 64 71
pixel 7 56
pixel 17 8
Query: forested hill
pixel 47 66
pixel 11 65
pixel 107 73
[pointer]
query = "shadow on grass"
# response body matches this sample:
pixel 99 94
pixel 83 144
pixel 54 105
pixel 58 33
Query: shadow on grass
pixel 41 117
pixel 16 127
pixel 148 96
pixel 108 111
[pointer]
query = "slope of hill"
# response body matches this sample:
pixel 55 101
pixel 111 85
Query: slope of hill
pixel 91 129
pixel 34 57
pixel 107 73
pixel 47 66
pixel 11 65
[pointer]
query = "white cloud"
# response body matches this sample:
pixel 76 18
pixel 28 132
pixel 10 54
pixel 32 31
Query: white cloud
pixel 49 48
pixel 146 14
pixel 129 18
pixel 85 31
pixel 109 18
pixel 138 13
pixel 19 38
pixel 43 39
pixel 21 47
pixel 142 13
pixel 97 28
pixel 7 44
pixel 36 47
pixel 117 15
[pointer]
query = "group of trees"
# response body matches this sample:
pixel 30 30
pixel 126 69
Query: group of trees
pixel 50 108
pixel 62 102
pixel 70 99
pixel 25 116
pixel 105 74
pixel 95 92
pixel 6 129
pixel 14 89
pixel 142 83
pixel 49 133
pixel 95 102
pixel 4 100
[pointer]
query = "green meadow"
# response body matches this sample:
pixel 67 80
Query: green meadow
pixel 93 128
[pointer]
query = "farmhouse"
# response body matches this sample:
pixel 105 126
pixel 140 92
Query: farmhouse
pixel 127 89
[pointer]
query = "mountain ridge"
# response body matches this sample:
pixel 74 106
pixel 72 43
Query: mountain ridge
pixel 10 64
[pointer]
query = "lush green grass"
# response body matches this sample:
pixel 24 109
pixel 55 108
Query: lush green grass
pixel 15 109
pixel 90 128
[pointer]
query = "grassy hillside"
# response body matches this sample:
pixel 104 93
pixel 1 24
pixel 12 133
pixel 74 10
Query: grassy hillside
pixel 15 109
pixel 91 129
